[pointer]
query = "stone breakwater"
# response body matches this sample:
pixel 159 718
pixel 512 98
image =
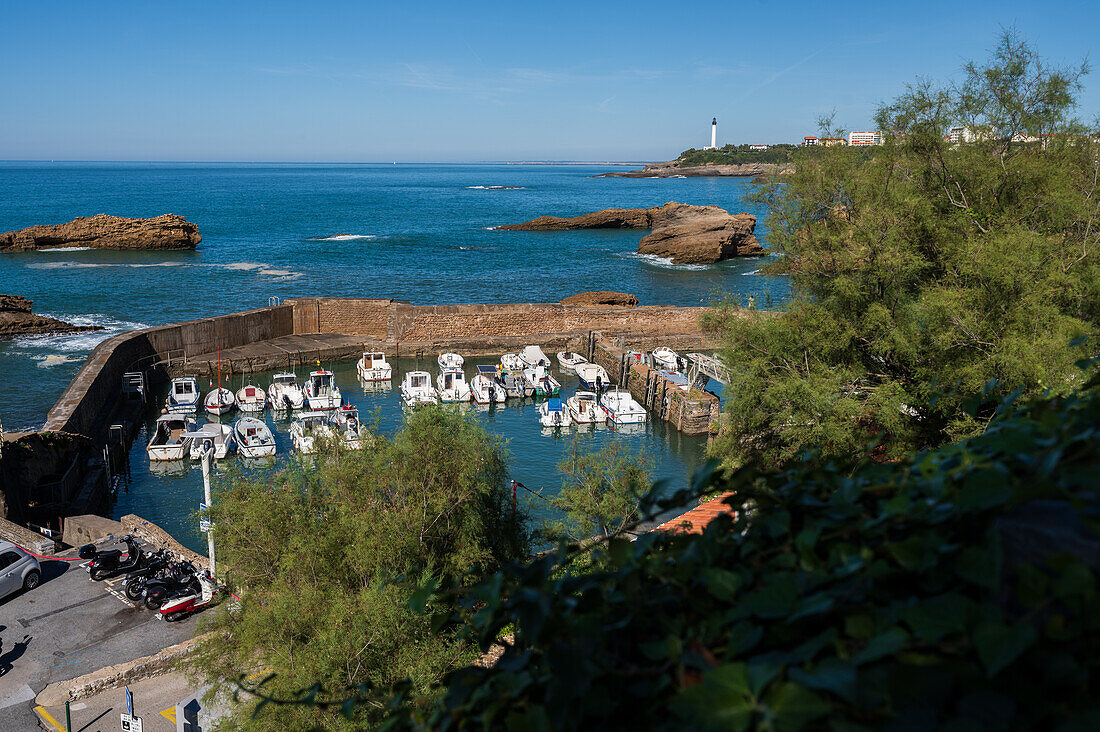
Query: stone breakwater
pixel 680 232
pixel 164 232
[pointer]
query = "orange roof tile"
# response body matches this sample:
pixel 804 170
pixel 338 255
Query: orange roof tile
pixel 695 520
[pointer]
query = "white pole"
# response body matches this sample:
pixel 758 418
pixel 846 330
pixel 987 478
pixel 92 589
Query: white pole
pixel 207 455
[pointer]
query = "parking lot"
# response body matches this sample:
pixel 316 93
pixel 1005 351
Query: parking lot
pixel 67 627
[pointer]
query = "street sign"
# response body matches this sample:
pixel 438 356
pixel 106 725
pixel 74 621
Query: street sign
pixel 130 723
pixel 204 507
pixel 205 526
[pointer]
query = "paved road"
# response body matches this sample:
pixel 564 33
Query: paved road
pixel 154 701
pixel 67 627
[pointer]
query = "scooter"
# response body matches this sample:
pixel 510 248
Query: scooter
pixel 105 563
pixel 181 607
pixel 155 565
pixel 182 581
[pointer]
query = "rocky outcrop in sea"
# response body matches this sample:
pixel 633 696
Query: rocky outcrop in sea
pixel 602 298
pixel 17 319
pixel 673 169
pixel 683 233
pixel 167 231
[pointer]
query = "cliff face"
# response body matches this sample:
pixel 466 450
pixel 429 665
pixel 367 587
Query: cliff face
pixel 683 233
pixel 17 319
pixel 107 232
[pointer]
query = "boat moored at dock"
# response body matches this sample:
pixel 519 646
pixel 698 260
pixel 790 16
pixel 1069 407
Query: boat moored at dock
pixel 183 395
pixel 554 413
pixel 253 437
pixel 251 399
pixel 347 427
pixel 584 408
pixel 219 401
pixel 486 387
pixel 219 435
pixel 621 408
pixel 593 376
pixel 169 441
pixel 285 393
pixel 666 358
pixel 449 361
pixel 533 356
pixel 539 379
pixel 451 385
pixel 512 362
pixel 373 366
pixel 568 361
pixel 417 389
pixel 321 391
pixel 308 430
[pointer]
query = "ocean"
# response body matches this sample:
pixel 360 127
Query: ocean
pixel 422 233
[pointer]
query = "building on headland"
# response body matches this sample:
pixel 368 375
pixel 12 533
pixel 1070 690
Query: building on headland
pixel 865 138
pixel 969 133
pixel 832 141
pixel 713 135
pixel 809 141
pixel 759 147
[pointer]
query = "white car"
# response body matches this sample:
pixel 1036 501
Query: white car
pixel 18 570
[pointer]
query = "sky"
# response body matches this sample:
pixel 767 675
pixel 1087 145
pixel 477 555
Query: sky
pixel 452 82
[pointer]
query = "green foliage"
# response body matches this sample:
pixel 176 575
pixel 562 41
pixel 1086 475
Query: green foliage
pixel 921 270
pixel 930 593
pixel 327 559
pixel 601 490
pixel 737 155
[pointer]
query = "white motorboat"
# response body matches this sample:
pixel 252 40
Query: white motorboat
pixel 374 367
pixel 219 401
pixel 449 361
pixel 533 356
pixel 322 392
pixel 568 360
pixel 585 409
pixel 251 399
pixel 516 386
pixel 416 389
pixel 285 393
pixel 168 441
pixel 486 388
pixel 219 435
pixel 253 437
pixel 554 413
pixel 451 385
pixel 541 381
pixel 347 426
pixel 308 430
pixel 666 358
pixel 512 362
pixel 183 395
pixel 621 408
pixel 593 376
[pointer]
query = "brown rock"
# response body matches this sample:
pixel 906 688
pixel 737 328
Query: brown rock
pixel 683 233
pixel 17 319
pixel 601 298
pixel 107 232
pixel 710 170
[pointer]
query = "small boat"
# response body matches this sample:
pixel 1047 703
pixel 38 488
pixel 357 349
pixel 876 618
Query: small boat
pixel 169 441
pixel 374 367
pixel 553 413
pixel 349 429
pixel 183 395
pixel 512 362
pixel 219 401
pixel 584 408
pixel 516 386
pixel 253 437
pixel 219 435
pixel 486 388
pixel 322 392
pixel 542 382
pixel 568 360
pixel 251 399
pixel 451 384
pixel 677 378
pixel 593 376
pixel 449 361
pixel 416 389
pixel 308 429
pixel 666 358
pixel 621 408
pixel 285 393
pixel 533 356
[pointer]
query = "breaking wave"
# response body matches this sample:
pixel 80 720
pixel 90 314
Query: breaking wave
pixel 665 262
pixel 496 188
pixel 65 343
pixel 344 237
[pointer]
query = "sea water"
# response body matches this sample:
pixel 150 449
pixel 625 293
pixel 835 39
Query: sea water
pixel 422 233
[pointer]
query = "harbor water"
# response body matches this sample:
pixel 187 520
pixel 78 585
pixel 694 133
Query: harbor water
pixel 422 233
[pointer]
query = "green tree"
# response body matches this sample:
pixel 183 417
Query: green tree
pixel 935 592
pixel 601 491
pixel 922 269
pixel 326 557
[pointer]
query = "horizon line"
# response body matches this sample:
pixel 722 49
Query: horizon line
pixel 343 162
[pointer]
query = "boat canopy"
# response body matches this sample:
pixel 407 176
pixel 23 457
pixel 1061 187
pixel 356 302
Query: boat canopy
pixel 485 369
pixel 554 405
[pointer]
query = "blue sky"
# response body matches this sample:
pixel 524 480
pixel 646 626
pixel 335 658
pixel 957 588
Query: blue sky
pixel 424 81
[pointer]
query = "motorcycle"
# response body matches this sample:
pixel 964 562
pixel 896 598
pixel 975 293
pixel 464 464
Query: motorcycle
pixel 156 565
pixel 103 564
pixel 183 580
pixel 181 607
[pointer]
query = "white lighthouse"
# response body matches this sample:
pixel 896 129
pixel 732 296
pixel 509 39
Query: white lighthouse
pixel 713 135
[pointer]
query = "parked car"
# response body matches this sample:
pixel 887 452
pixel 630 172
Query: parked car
pixel 18 570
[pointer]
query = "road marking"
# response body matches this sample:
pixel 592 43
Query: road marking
pixel 48 719
pixel 78 706
pixel 28 622
pixel 169 714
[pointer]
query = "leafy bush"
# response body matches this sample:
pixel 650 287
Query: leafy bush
pixel 737 155
pixel 949 590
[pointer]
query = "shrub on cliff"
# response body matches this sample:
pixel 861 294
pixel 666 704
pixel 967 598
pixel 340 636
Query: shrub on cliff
pixel 325 557
pixel 936 592
pixel 925 270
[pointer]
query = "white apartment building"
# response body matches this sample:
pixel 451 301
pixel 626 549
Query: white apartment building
pixel 965 133
pixel 759 147
pixel 865 138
